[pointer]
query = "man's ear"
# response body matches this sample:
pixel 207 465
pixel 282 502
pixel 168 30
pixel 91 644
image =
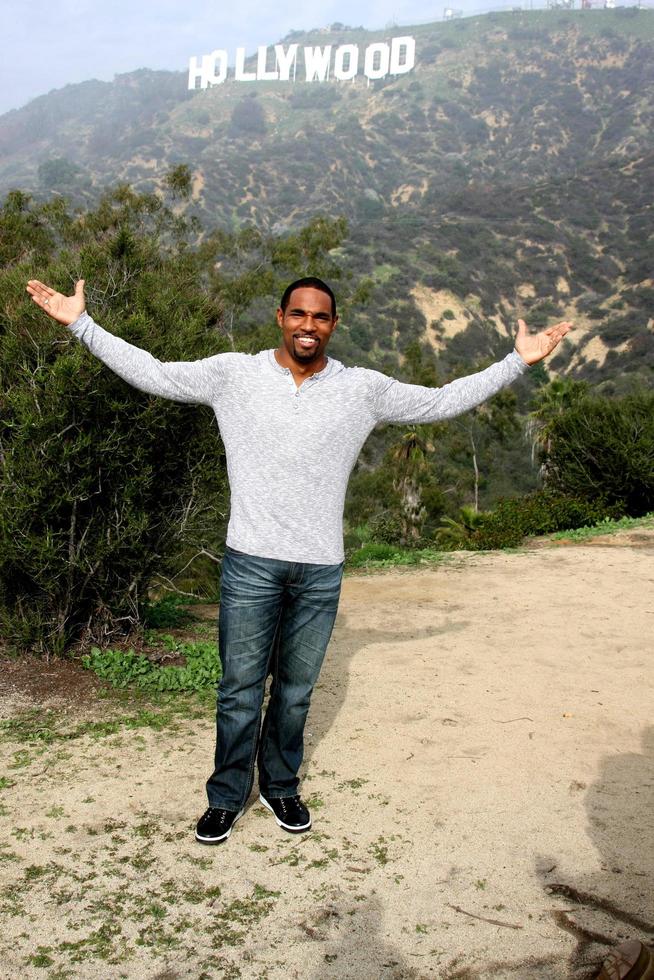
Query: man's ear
pixel 280 316
pixel 336 319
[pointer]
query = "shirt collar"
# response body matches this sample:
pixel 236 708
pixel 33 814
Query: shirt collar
pixel 282 370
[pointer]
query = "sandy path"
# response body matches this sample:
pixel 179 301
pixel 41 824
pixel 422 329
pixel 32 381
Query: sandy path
pixel 480 763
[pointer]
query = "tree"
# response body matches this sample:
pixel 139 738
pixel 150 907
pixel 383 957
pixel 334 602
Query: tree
pixel 550 402
pixel 248 118
pixel 409 456
pixel 179 180
pixel 602 448
pixel 457 533
pixel 100 486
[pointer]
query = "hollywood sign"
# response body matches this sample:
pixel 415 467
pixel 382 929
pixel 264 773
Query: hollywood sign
pixel 320 63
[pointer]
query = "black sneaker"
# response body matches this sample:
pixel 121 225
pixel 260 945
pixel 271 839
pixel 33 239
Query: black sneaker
pixel 215 825
pixel 289 812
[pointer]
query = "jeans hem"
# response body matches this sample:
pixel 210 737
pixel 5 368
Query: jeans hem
pixel 232 808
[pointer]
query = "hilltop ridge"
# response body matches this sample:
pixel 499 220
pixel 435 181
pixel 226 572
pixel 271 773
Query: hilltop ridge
pixel 509 173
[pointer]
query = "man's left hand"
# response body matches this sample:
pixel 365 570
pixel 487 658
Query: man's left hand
pixel 534 347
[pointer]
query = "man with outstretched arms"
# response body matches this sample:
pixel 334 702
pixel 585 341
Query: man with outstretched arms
pixel 293 422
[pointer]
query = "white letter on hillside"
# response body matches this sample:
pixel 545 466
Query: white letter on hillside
pixel 207 73
pixel 381 49
pixel 350 51
pixel 240 74
pixel 285 60
pixel 399 64
pixel 316 63
pixel 262 74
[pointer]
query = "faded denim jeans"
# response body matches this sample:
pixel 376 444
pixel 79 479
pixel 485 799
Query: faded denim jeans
pixel 275 617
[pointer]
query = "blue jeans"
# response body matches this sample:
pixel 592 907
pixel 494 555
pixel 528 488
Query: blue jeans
pixel 275 617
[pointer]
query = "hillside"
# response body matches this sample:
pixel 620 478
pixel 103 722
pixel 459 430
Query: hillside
pixel 508 174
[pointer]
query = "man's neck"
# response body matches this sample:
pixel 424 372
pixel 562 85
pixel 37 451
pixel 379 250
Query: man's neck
pixel 299 371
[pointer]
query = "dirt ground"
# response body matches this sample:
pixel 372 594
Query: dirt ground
pixel 480 768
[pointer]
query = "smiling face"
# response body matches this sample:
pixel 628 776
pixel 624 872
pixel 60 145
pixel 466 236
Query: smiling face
pixel 307 323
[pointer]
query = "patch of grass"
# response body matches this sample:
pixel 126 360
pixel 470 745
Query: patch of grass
pixel 99 944
pixel 379 851
pixel 607 526
pixel 41 958
pixel 229 926
pixel 36 726
pixel 36 871
pixel 204 863
pixel 22 758
pixel 261 892
pixel 292 859
pixel 380 555
pixel 199 894
pixel 147 829
pixel 353 783
pixel 330 855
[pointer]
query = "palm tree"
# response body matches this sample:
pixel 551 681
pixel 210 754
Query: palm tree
pixel 411 456
pixel 456 534
pixel 551 401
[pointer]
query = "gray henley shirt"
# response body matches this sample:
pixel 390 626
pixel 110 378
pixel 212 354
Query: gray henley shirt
pixel 290 450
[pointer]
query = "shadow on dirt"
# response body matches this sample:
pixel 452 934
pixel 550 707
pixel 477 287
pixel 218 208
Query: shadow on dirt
pixel 617 903
pixel 331 690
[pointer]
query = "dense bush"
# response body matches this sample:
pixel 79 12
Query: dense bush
pixel 538 513
pixel 603 449
pixel 100 485
pixel 248 118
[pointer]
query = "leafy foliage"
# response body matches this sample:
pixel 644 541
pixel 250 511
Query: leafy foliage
pixel 539 513
pixel 200 671
pixel 100 485
pixel 170 611
pixel 604 449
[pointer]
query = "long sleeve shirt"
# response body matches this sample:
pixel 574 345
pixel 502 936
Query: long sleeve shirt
pixel 290 450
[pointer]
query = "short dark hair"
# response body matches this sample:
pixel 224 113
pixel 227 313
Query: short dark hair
pixel 308 282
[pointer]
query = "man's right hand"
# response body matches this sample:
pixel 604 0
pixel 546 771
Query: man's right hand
pixel 65 309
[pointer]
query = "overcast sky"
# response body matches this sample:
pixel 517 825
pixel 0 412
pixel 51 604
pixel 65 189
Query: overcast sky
pixel 50 43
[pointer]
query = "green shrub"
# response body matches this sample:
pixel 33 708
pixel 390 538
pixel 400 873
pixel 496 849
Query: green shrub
pixel 457 533
pixel 169 612
pixel 374 551
pixel 386 528
pixel 538 513
pixel 603 449
pixel 100 484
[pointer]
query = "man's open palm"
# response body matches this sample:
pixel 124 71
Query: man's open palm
pixel 65 309
pixel 534 347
